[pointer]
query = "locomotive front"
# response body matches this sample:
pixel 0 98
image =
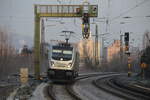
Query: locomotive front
pixel 62 63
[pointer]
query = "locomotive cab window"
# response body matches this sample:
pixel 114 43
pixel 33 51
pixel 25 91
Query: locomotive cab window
pixel 67 54
pixel 63 54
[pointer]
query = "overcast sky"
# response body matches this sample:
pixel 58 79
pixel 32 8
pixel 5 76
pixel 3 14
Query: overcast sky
pixel 18 17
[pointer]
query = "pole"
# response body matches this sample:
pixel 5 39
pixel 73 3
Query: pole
pixel 37 46
pixel 129 64
pixel 42 32
pixel 143 73
pixel 96 45
pixel 42 38
pixel 102 45
pixel 121 48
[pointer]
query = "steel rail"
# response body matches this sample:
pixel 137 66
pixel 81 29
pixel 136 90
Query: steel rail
pixel 50 92
pixel 109 85
pixel 70 89
pixel 130 90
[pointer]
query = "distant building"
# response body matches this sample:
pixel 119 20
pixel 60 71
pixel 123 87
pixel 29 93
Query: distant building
pixel 113 50
pixel 87 49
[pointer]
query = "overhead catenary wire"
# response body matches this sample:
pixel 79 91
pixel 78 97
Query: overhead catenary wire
pixel 108 15
pixel 130 9
pixel 77 36
pixel 75 39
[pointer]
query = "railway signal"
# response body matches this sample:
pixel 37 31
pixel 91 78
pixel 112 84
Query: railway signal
pixel 126 36
pixel 85 21
pixel 126 39
pixel 86 31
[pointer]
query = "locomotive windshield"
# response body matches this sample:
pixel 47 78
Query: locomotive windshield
pixel 63 54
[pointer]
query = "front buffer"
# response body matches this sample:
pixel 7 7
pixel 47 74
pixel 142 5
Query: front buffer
pixel 55 74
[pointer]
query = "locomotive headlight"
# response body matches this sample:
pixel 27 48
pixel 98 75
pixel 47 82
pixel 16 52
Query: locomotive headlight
pixel 69 65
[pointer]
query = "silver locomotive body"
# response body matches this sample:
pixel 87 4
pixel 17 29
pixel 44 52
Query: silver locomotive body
pixel 63 62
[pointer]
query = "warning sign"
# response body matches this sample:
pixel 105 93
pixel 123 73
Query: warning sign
pixel 24 75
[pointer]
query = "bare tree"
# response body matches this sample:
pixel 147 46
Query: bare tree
pixel 6 51
pixel 145 56
pixel 146 39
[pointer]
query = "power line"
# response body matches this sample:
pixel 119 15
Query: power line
pixel 77 36
pixel 137 5
pixel 16 17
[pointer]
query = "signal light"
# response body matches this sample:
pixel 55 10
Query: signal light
pixel 126 36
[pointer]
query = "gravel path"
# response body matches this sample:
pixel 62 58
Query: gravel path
pixel 61 92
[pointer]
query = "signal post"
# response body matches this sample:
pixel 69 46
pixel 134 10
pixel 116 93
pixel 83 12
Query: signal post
pixel 143 66
pixel 126 39
pixel 129 64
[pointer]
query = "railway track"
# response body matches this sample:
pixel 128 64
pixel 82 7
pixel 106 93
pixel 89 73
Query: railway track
pixel 109 84
pixel 59 92
pixel 55 91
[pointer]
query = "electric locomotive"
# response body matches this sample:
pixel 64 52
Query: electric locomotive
pixel 63 62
